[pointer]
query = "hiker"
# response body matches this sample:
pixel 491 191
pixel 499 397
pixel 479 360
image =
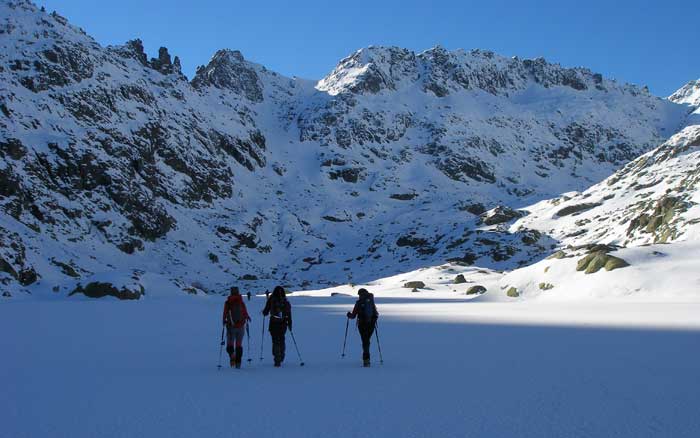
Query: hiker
pixel 235 318
pixel 248 293
pixel 366 313
pixel 280 312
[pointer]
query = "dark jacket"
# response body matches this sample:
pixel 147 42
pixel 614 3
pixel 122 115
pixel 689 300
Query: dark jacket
pixel 358 310
pixel 280 311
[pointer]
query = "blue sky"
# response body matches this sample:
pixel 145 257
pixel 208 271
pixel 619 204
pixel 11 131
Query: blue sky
pixel 654 43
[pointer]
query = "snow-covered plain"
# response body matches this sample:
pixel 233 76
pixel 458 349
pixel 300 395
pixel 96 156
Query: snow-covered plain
pixel 453 368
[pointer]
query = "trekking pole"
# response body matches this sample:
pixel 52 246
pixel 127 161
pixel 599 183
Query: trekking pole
pixel 262 339
pixel 221 347
pixel 345 340
pixel 247 331
pixel 379 345
pixel 301 362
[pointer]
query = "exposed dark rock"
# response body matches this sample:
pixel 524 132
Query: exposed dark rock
pixel 227 69
pixel 530 237
pixel 414 242
pixel 404 196
pixel 476 290
pixel 500 214
pixel 336 219
pixel 66 269
pixel 467 259
pixel 351 175
pixel 414 285
pixel 660 220
pixel 99 290
pixel 6 267
pixel 577 208
pixel 694 142
pixel 475 209
pixel 459 168
pixel 12 148
pixel 460 279
pixel 27 276
pixel 130 246
pixel 136 51
pixel 594 261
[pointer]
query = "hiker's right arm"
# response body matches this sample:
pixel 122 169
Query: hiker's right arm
pixel 266 310
pixel 353 314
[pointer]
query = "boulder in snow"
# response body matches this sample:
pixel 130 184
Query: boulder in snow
pixel 414 285
pixel 476 290
pixel 594 261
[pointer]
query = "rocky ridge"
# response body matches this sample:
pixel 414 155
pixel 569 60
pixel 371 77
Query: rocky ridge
pixel 114 163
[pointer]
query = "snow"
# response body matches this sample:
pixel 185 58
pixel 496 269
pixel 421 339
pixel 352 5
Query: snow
pixel 514 130
pixel 688 94
pixel 349 77
pixel 84 368
pixel 603 354
pixel 666 273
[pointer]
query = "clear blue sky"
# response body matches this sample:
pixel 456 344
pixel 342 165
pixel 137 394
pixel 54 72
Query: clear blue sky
pixel 654 43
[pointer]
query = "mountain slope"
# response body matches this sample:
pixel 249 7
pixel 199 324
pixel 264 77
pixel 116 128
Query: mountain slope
pixel 636 233
pixel 688 94
pixel 116 166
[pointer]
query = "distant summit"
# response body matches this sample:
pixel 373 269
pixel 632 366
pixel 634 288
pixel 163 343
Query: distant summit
pixel 114 167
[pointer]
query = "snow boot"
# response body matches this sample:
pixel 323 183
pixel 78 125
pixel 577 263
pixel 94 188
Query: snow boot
pixel 365 363
pixel 233 362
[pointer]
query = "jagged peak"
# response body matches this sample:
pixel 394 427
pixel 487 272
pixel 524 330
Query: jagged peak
pixel 26 15
pixel 227 56
pixel 370 70
pixel 25 4
pixel 687 94
pixel 163 63
pixel 441 71
pixel 229 70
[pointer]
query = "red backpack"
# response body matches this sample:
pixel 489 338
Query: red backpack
pixel 235 309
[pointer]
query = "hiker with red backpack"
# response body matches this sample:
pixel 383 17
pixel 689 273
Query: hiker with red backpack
pixel 235 319
pixel 280 312
pixel 366 313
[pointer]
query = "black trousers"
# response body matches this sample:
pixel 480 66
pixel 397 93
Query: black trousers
pixel 366 331
pixel 278 330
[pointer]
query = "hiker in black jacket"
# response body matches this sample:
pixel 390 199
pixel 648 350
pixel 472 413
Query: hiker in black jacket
pixel 366 313
pixel 280 312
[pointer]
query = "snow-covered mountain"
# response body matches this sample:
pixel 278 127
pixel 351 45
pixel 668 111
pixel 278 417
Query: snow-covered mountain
pixel 688 94
pixel 645 218
pixel 116 167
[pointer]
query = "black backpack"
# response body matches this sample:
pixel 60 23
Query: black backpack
pixel 367 309
pixel 278 308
